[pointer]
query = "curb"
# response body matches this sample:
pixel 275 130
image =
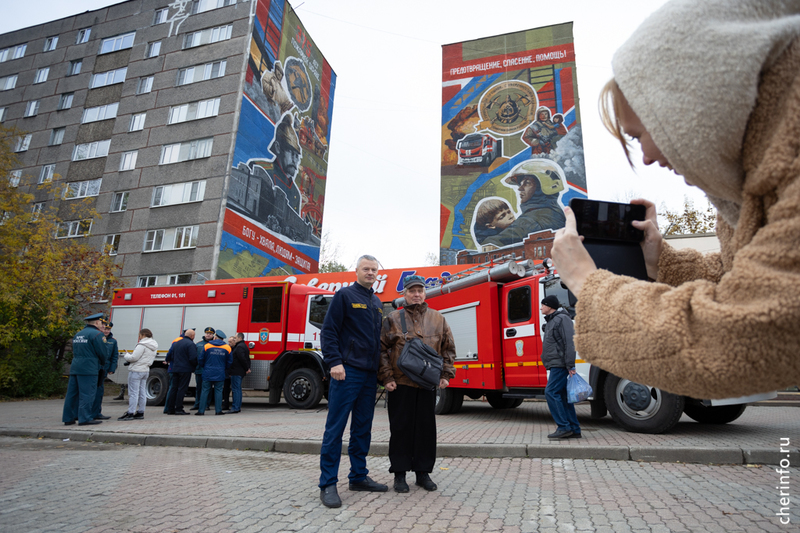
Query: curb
pixel 657 454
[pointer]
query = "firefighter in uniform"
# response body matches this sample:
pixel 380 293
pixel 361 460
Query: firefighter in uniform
pixel 89 353
pixel 109 368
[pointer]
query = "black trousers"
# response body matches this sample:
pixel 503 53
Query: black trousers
pixel 412 422
pixel 178 391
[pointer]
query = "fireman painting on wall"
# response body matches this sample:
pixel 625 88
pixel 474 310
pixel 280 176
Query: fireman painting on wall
pixel 275 197
pixel 512 150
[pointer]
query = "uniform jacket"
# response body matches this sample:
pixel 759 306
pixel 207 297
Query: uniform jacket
pixel 351 333
pixel 201 346
pixel 424 323
pixel 89 352
pixel 558 347
pixel 241 359
pixel 216 360
pixel 113 354
pixel 723 324
pixel 143 355
pixel 182 355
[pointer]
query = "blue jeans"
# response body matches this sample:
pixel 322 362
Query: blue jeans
pixel 356 395
pixel 207 385
pixel 236 390
pixel 562 411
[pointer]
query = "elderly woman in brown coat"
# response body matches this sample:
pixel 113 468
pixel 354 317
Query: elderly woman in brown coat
pixel 710 90
pixel 412 422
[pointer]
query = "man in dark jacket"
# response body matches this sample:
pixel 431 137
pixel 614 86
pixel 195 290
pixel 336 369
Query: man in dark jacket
pixel 89 354
pixel 558 356
pixel 208 336
pixel 239 369
pixel 109 368
pixel 216 361
pixel 182 358
pixel 351 348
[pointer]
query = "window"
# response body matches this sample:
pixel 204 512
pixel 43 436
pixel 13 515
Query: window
pixel 519 305
pixel 75 228
pixel 267 304
pixel 109 78
pixel 120 42
pixel 146 281
pixel 57 136
pixel 103 112
pixel 161 16
pixel 153 240
pixel 23 143
pixel 36 210
pixel 3 111
pixel 186 237
pixel 41 75
pixel 179 279
pixel 31 109
pixel 565 298
pixel 14 177
pixel 128 161
pixel 8 83
pixel 46 174
pixel 210 35
pixel 175 153
pixel 15 52
pixel 50 43
pixel 201 72
pixel 82 189
pixel 83 35
pixel 91 150
pixel 4 54
pixel 199 6
pixel 65 102
pixel 137 122
pixel 194 110
pixel 119 202
pixel 111 244
pixel 74 67
pixel 178 193
pixel 153 49
pixel 145 85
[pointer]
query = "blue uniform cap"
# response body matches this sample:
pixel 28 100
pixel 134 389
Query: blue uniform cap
pixel 221 334
pixel 96 316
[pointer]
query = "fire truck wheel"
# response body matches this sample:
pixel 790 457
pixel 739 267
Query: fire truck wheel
pixel 157 386
pixel 714 414
pixel 497 401
pixel 641 409
pixel 448 401
pixel 302 389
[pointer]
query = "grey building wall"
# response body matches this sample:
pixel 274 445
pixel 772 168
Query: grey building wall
pixel 132 224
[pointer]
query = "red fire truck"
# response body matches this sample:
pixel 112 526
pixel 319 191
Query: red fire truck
pixel 478 149
pixel 281 322
pixel 495 318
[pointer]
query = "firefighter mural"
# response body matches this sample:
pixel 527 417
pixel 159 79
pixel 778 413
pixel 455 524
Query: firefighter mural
pixel 512 150
pixel 273 220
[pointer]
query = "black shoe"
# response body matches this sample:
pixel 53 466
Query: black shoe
pixel 560 434
pixel 330 497
pixel 425 481
pixel 225 406
pixel 574 436
pixel 126 416
pixel 177 413
pixel 120 397
pixel 400 484
pixel 70 423
pixel 102 417
pixel 232 412
pixel 140 415
pixel 367 485
pixel 90 423
pixel 220 413
pixel 198 413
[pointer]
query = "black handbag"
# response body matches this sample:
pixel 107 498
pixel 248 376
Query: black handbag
pixel 419 361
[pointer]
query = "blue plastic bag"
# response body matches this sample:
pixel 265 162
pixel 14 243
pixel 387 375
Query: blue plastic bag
pixel 577 389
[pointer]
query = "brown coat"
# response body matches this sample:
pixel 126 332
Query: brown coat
pixel 425 323
pixel 724 324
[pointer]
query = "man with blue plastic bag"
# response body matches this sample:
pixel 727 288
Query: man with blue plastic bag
pixel 558 356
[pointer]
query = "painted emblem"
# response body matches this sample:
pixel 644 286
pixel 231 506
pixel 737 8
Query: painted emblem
pixel 263 336
pixel 519 345
pixel 508 107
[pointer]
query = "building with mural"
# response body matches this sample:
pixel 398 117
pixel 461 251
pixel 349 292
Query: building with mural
pixel 197 129
pixel 512 149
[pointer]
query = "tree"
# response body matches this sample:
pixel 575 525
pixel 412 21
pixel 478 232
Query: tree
pixel 329 255
pixel 47 283
pixel 431 259
pixel 691 221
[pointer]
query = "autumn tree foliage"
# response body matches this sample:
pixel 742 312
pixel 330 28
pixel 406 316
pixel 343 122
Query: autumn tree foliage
pixel 47 284
pixel 691 221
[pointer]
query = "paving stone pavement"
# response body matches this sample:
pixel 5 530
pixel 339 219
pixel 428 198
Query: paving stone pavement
pixel 50 485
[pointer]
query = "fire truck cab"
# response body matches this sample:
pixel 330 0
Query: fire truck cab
pixel 478 149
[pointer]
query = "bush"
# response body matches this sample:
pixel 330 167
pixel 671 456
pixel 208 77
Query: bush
pixel 29 374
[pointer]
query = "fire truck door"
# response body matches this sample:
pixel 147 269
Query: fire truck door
pixel 522 340
pixel 266 322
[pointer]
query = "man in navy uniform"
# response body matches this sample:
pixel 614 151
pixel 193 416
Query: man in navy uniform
pixel 208 336
pixel 89 353
pixel 216 361
pixel 182 358
pixel 109 368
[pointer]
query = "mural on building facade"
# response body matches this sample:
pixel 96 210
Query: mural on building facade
pixel 273 220
pixel 512 149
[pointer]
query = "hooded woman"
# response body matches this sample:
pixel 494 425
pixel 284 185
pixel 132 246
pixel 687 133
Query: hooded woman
pixel 724 324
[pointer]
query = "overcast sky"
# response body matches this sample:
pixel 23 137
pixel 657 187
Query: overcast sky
pixel 382 194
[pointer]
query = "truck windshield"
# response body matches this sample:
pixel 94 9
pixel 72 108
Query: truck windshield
pixel 565 297
pixel 318 310
pixel 471 141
